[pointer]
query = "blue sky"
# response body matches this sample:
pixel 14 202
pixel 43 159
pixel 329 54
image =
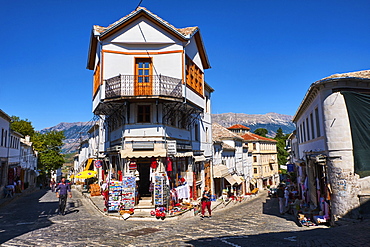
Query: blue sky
pixel 264 54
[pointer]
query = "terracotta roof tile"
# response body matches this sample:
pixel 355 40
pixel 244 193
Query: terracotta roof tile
pixel 219 132
pixel 238 126
pixel 254 137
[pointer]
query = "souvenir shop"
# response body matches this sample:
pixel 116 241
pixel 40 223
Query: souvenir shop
pixel 169 183
pixel 313 191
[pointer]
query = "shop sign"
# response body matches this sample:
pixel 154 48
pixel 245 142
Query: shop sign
pixel 171 147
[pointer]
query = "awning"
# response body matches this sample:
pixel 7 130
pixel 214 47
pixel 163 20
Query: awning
pixel 237 179
pixel 253 181
pixel 230 179
pixel 129 153
pixel 184 154
pixel 199 158
pixel 220 171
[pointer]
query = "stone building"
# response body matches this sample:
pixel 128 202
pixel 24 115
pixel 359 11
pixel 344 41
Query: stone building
pixel 333 151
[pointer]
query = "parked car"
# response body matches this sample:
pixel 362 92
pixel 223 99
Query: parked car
pixel 272 192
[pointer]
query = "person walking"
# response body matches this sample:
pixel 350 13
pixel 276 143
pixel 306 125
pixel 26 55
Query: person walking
pixel 62 190
pixel 206 202
pixel 280 195
pixel 52 185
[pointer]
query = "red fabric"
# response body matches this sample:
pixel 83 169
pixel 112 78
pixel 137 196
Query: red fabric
pixel 169 164
pixel 119 175
pixel 208 205
pixel 153 163
pixel 132 166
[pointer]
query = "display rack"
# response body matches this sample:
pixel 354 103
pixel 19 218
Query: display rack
pixel 114 195
pixel 160 190
pixel 128 192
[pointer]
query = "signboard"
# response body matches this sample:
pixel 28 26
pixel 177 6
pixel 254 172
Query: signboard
pixel 171 147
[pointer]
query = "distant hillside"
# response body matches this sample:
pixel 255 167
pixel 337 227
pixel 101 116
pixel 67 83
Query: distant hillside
pixel 75 132
pixel 270 121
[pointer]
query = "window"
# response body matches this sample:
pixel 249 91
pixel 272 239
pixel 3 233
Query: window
pixel 318 134
pixel 143 114
pixel 255 170
pixel 312 127
pixel 194 77
pixel 254 146
pixel 308 130
pixel 254 158
pixel 196 132
pixel 143 75
pixel 207 139
pixel 304 132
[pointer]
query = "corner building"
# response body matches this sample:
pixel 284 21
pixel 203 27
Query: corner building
pixel 153 102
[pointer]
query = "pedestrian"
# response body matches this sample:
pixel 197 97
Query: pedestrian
pixel 206 202
pixel 63 189
pixel 286 195
pixel 280 195
pixel 52 185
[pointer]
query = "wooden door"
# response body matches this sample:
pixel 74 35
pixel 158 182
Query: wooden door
pixel 143 76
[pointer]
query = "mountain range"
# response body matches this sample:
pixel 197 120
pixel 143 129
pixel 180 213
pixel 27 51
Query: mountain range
pixel 76 132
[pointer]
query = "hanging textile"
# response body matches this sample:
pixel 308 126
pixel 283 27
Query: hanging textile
pixel 358 107
pixel 169 164
pixel 153 163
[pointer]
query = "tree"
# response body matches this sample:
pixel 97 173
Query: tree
pixel 49 145
pixel 280 145
pixel 261 132
pixel 22 126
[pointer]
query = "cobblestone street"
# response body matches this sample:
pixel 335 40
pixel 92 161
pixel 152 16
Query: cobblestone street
pixel 33 220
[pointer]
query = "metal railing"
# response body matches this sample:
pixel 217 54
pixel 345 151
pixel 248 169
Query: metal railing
pixel 132 85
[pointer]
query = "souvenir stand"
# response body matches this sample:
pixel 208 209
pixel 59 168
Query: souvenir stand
pixel 121 195
pixel 161 193
pixel 128 193
pixel 114 196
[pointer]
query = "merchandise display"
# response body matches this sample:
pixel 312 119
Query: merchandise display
pixel 121 195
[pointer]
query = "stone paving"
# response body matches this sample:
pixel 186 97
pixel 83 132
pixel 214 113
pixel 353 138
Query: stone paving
pixel 32 220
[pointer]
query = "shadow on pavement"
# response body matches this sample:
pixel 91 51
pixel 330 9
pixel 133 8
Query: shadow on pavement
pixel 350 235
pixel 25 214
pixel 271 207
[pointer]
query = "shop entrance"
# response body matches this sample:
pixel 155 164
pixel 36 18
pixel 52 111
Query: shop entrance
pixel 144 183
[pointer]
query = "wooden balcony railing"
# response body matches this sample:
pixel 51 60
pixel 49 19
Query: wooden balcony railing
pixel 131 85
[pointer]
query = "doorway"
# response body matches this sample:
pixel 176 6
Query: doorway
pixel 143 167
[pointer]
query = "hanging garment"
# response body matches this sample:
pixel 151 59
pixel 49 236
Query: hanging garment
pixel 153 163
pixel 169 164
pixel 132 166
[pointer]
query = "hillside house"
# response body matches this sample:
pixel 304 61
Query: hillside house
pixel 264 159
pixel 149 90
pixel 333 151
pixel 231 169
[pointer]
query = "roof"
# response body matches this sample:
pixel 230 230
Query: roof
pixel 238 126
pixel 356 75
pixel 253 137
pixel 187 31
pixel 363 74
pixel 5 116
pixel 219 132
pixel 227 146
pixel 184 34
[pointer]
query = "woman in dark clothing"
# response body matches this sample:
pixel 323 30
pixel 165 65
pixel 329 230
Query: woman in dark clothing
pixel 206 201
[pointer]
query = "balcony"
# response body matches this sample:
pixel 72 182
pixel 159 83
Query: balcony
pixel 146 86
